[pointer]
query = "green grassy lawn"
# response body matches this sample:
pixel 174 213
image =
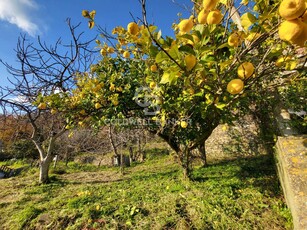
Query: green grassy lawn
pixel 238 194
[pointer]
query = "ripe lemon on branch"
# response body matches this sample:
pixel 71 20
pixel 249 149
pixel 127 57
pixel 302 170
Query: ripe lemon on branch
pixel 235 86
pixel 153 68
pixel 234 40
pixel 290 30
pixel 202 16
pixel 245 70
pixel 214 17
pixel 184 124
pixel 186 25
pixel 292 9
pixel 42 106
pixel 209 4
pixel 126 54
pixel 302 38
pixel 190 61
pixel 133 28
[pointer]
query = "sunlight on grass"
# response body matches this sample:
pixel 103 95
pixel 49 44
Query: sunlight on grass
pixel 239 194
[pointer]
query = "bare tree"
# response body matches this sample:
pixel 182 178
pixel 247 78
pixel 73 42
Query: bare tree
pixel 44 71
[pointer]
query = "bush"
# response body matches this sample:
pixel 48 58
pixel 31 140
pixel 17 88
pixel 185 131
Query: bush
pixel 22 149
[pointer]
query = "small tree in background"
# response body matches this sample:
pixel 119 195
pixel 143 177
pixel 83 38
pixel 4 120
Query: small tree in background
pixel 44 72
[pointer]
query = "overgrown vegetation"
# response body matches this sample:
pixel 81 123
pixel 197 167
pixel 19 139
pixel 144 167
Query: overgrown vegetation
pixel 239 194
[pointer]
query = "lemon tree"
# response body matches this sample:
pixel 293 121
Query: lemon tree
pixel 181 87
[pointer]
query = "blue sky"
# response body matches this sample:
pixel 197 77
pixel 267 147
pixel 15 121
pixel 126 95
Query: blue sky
pixel 46 18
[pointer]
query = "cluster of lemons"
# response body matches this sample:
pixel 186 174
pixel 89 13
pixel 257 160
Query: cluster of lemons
pixel 245 71
pixel 208 15
pixel 294 28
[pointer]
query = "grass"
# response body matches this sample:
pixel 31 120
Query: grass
pixel 239 194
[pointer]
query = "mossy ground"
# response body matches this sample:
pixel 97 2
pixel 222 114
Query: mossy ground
pixel 242 193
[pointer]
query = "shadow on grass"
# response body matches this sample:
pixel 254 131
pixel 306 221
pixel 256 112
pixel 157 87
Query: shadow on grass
pixel 258 172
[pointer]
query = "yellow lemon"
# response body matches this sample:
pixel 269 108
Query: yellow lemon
pixel 292 9
pixel 235 86
pixel 184 124
pixel 152 84
pixel 126 54
pixel 290 30
pixel 112 87
pixel 190 61
pixel 42 106
pixel 234 40
pixel 133 28
pixel 98 105
pixel 110 50
pixel 301 39
pixel 214 17
pixel 153 68
pixel 245 70
pixel 202 17
pixel 185 25
pixel 209 4
pixel 304 17
pixel 115 102
pixel 83 112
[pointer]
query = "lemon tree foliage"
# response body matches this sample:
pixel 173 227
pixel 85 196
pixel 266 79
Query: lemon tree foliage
pixel 217 59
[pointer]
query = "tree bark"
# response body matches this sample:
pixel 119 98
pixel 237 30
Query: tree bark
pixel 203 154
pixel 46 156
pixel 185 156
pixel 131 155
pixel 122 163
pixel 44 169
pixel 112 142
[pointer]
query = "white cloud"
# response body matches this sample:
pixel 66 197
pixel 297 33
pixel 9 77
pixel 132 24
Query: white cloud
pixel 18 12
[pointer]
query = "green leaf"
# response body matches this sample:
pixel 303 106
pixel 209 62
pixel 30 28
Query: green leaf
pixel 168 78
pixel 200 28
pixel 174 52
pixel 187 49
pixel 209 98
pixel 199 94
pixel 153 51
pixel 247 20
pixel 220 106
pixel 222 46
pixel 208 58
pixel 165 78
pixel 187 36
pixel 161 56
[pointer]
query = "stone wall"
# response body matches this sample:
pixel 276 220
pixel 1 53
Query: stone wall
pixel 291 160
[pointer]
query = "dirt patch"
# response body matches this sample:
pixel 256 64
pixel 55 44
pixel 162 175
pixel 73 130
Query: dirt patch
pixel 92 177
